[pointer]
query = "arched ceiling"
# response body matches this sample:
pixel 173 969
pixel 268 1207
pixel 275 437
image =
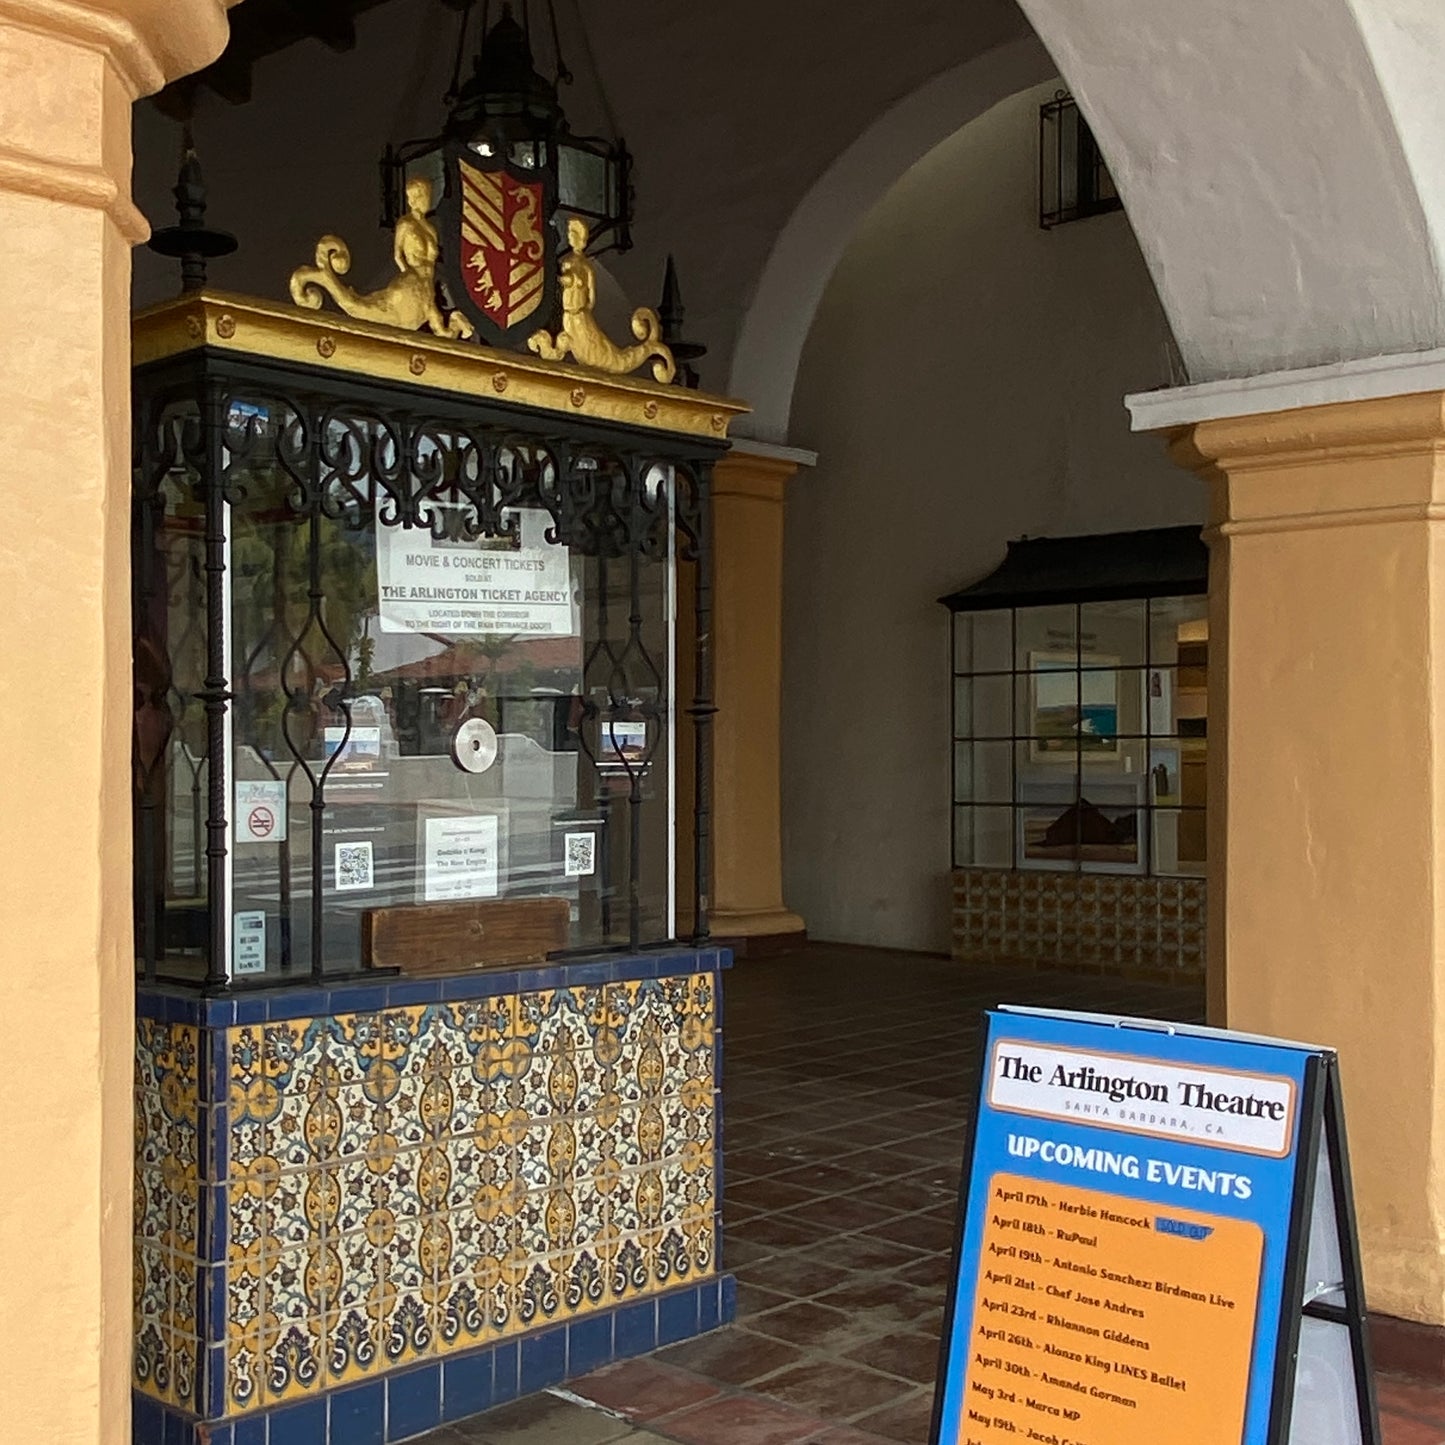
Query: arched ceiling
pixel 1283 164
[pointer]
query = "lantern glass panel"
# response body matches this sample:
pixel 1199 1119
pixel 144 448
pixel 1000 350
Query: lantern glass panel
pixel 584 181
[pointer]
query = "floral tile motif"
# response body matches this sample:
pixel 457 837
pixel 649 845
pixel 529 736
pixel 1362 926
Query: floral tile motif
pixel 166 1212
pixel 400 1184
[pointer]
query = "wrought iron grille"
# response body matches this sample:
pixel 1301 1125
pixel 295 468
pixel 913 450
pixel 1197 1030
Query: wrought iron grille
pixel 259 493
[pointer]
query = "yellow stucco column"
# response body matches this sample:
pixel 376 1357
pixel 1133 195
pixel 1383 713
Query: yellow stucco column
pixel 69 72
pixel 747 684
pixel 1327 750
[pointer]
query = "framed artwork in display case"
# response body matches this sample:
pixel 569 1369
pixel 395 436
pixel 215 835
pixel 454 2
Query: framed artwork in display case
pixel 1093 826
pixel 1073 706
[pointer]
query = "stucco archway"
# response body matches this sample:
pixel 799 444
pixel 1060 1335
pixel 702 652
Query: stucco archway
pixel 1282 169
pixel 807 250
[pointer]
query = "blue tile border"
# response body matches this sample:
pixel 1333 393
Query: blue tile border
pixel 413 1400
pixel 168 1003
pixel 406 1402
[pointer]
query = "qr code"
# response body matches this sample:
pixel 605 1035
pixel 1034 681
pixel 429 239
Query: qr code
pixel 581 858
pixel 354 865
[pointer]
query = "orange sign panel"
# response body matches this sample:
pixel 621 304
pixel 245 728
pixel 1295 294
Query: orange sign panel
pixel 1101 1320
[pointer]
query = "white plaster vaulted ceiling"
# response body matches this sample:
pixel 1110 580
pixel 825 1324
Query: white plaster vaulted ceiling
pixel 1282 163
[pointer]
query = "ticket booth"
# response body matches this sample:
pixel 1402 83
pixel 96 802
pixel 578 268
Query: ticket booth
pixel 426 1080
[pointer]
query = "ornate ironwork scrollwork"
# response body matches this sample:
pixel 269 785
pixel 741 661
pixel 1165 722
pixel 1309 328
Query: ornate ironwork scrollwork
pixel 270 474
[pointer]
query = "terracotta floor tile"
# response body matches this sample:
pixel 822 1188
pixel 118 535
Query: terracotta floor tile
pixel 863 1251
pixel 741 1420
pixel 834 1214
pixel 643 1389
pixel 917 1231
pixel 835 1391
pixel 753 1300
pixel 798 1274
pixel 1402 1430
pixel 734 1356
pixel 767 1195
pixel 883 1293
pixel 1409 1397
pixel 782 1231
pixel 911 1355
pixel 932 1272
pixel 545 1420
pixel 816 1327
pixel 907 1421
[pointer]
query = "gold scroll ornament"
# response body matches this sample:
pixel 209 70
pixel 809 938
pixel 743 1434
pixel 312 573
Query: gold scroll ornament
pixel 407 301
pixel 582 338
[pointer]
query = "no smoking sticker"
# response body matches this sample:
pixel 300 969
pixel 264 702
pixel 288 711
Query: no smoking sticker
pixel 261 811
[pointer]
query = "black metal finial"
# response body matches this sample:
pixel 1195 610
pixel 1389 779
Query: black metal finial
pixel 191 242
pixel 670 311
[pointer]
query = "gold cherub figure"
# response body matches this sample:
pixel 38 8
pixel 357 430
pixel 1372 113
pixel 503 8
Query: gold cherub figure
pixel 407 301
pixel 582 338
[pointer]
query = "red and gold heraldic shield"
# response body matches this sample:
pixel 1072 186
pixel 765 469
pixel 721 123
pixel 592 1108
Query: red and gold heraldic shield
pixel 505 247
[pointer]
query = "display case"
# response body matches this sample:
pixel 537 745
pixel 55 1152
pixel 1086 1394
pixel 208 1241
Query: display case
pixel 1079 686
pixel 398 648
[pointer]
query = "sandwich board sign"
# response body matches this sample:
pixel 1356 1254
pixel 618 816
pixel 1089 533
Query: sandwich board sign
pixel 1157 1243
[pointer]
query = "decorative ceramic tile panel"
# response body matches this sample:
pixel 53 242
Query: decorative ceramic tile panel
pixel 166 1258
pixel 404 1184
pixel 1098 923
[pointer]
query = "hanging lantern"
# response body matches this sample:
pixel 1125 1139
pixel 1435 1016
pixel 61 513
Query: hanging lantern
pixel 508 173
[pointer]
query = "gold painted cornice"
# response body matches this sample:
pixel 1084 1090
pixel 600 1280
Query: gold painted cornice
pixel 271 331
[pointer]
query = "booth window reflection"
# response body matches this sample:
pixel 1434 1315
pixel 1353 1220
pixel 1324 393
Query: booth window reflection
pixel 434 658
pixel 1080 721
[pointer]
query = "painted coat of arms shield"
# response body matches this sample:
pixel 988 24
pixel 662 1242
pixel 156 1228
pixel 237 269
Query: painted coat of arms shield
pixel 499 246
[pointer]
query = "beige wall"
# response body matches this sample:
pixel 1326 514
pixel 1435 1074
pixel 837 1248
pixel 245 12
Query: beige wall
pixel 962 386
pixel 1327 866
pixel 68 76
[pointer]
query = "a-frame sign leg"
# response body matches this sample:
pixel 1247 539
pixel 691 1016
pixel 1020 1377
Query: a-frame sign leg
pixel 1329 1395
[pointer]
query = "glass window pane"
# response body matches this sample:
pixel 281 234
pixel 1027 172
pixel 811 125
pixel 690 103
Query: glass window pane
pixel 992 640
pixel 481 739
pixel 963 773
pixel 1114 631
pixel 1128 699
pixel 1173 620
pixel 1048 821
pixel 1044 633
pixel 983 706
pixel 1048 706
pixel 992 766
pixel 1179 841
pixel 1122 766
pixel 983 837
pixel 962 625
pixel 1178 701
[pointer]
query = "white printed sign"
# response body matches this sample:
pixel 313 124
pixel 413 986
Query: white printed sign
pixel 248 942
pixel 261 811
pixel 461 857
pixel 474 587
pixel 1251 1112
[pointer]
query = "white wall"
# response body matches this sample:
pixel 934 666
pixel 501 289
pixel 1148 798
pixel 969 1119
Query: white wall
pixel 962 385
